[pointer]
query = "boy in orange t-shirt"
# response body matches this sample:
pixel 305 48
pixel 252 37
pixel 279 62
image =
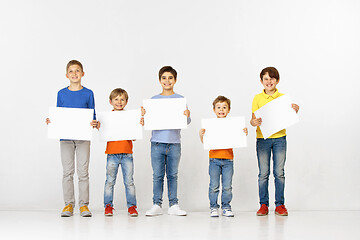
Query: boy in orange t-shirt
pixel 119 153
pixel 220 163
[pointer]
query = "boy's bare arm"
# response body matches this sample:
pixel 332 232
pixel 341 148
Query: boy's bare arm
pixel 255 122
pixel 202 133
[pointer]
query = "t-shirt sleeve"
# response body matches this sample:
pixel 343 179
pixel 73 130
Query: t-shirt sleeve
pixel 58 100
pixel 92 103
pixel 255 105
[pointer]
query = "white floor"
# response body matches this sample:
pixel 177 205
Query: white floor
pixel 197 225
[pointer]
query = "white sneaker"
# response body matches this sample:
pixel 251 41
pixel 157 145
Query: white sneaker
pixel 227 213
pixel 154 211
pixel 214 212
pixel 175 210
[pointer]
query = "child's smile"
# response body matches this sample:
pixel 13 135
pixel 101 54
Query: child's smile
pixel 119 102
pixel 269 84
pixel 221 109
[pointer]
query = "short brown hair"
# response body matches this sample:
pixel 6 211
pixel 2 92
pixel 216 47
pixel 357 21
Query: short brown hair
pixel 273 73
pixel 74 62
pixel 167 69
pixel 118 92
pixel 221 99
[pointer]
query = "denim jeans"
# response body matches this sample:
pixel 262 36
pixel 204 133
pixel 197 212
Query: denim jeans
pixel 278 148
pixel 165 157
pixel 217 167
pixel 127 168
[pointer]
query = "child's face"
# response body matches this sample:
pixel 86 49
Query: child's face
pixel 269 83
pixel 221 109
pixel 74 74
pixel 167 81
pixel 119 102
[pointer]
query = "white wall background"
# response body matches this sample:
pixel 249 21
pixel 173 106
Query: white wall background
pixel 217 47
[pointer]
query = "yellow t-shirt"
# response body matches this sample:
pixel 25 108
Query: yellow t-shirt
pixel 260 100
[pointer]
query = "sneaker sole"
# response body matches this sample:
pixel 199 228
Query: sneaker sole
pixel 133 215
pixel 279 214
pixel 174 214
pixel 86 215
pixel 63 215
pixel 109 214
pixel 260 214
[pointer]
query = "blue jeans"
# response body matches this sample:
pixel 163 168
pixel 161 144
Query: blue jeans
pixel 217 167
pixel 127 168
pixel 278 148
pixel 165 157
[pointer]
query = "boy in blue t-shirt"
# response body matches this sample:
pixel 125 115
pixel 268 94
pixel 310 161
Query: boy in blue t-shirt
pixel 75 96
pixel 166 151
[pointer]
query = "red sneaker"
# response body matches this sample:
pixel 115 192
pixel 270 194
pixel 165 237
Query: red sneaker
pixel 281 210
pixel 263 211
pixel 132 211
pixel 109 210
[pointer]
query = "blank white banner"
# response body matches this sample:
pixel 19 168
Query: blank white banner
pixel 70 123
pixel 276 115
pixel 165 114
pixel 224 133
pixel 120 125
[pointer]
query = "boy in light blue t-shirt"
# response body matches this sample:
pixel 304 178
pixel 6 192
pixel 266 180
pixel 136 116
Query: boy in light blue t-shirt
pixel 166 151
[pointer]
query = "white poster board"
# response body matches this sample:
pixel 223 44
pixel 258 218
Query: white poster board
pixel 70 123
pixel 276 115
pixel 224 133
pixel 120 125
pixel 165 114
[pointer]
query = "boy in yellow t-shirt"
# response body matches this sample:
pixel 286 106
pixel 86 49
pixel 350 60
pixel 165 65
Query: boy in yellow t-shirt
pixel 119 153
pixel 220 163
pixel 276 143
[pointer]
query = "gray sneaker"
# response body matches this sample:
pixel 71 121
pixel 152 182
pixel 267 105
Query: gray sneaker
pixel 67 211
pixel 85 212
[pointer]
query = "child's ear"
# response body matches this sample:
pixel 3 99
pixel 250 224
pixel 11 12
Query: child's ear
pixel 110 101
pixel 83 74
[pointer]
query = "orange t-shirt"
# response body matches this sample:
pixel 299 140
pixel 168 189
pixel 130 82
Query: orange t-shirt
pixel 222 153
pixel 117 147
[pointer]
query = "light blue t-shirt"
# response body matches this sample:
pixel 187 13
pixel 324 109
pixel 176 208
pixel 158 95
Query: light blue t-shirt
pixel 168 135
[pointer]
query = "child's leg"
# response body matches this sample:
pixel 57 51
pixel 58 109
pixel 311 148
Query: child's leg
pixel 158 165
pixel 112 167
pixel 263 150
pixel 172 166
pixel 279 156
pixel 127 167
pixel 214 172
pixel 227 174
pixel 67 151
pixel 82 149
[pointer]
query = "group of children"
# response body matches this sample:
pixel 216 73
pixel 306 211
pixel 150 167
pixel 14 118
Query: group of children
pixel 166 151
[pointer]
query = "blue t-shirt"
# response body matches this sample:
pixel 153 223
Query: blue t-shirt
pixel 168 135
pixel 83 98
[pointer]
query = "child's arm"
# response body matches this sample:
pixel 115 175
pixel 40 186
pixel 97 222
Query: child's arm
pixel 295 107
pixel 202 133
pixel 255 122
